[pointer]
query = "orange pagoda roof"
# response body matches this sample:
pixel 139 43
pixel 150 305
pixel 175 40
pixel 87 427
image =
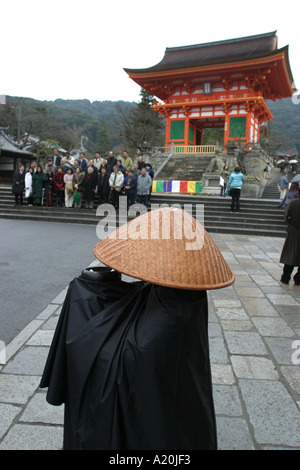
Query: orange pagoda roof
pixel 250 56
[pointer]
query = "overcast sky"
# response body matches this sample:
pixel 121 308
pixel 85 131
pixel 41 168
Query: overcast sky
pixel 75 49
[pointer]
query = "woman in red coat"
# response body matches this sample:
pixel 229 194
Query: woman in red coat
pixel 59 186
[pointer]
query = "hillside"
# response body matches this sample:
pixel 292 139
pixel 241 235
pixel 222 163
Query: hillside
pixel 67 120
pixel 87 115
pixel 64 121
pixel 285 127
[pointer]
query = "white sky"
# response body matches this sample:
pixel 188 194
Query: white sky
pixel 75 49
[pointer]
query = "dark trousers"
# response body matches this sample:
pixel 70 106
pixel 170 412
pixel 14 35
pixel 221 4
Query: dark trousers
pixel 18 198
pixel 115 198
pixel 49 198
pixel 130 199
pixel 59 197
pixel 235 201
pixel 143 199
pixel 287 272
pixel 103 198
pixel 223 190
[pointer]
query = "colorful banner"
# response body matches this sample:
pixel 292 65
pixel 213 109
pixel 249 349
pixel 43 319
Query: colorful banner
pixel 183 186
pixel 175 186
pixel 189 187
pixel 198 187
pixel 159 186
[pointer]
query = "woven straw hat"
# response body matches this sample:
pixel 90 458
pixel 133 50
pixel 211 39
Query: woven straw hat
pixel 167 247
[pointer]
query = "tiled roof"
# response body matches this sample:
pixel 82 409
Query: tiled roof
pixel 214 53
pixel 8 145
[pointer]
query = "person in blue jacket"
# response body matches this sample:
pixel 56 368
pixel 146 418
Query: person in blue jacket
pixel 130 184
pixel 236 180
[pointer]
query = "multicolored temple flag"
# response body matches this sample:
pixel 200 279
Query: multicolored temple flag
pixel 177 186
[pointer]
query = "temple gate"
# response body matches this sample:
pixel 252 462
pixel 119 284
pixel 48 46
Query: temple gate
pixel 222 84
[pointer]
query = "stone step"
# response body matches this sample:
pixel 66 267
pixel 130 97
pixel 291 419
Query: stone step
pixel 213 201
pixel 253 217
pixel 183 198
pixel 185 166
pixel 272 191
pixel 49 211
pixel 238 230
pixel 237 223
pixel 257 217
pixel 213 208
pixel 187 198
pixel 48 217
pixel 233 227
pixel 271 188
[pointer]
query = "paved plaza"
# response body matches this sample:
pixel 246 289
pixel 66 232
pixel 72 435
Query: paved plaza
pixel 254 330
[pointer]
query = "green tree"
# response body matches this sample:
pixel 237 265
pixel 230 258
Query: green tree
pixel 140 126
pixel 9 119
pixel 211 136
pixel 147 99
pixel 45 148
pixel 70 137
pixel 103 138
pixel 269 144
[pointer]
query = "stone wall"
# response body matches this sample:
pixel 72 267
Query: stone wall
pixel 158 157
pixel 252 163
pixel 169 166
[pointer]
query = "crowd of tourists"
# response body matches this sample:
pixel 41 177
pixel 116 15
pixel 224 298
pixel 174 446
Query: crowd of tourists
pixel 68 182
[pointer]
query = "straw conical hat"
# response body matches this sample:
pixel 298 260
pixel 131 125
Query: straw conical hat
pixel 167 247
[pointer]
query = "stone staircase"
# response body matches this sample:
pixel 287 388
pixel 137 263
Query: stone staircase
pixel 257 217
pixel 43 213
pixel 271 188
pixel 188 167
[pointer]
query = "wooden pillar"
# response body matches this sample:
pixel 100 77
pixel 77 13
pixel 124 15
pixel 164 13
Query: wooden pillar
pixel 226 129
pixel 201 142
pixel 168 131
pixel 254 129
pixel 186 130
pixel 249 125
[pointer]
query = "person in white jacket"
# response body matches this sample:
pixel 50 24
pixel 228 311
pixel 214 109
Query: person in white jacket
pixel 28 186
pixel 116 181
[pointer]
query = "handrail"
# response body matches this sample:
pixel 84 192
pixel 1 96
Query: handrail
pixel 173 148
pixel 211 149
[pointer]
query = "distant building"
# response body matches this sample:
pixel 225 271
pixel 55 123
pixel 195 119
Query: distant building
pixel 264 129
pixel 11 156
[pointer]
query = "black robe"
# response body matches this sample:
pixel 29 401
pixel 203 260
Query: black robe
pixel 131 363
pixel 89 185
pixel 103 186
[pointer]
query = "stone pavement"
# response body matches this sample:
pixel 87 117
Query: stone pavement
pixel 254 330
